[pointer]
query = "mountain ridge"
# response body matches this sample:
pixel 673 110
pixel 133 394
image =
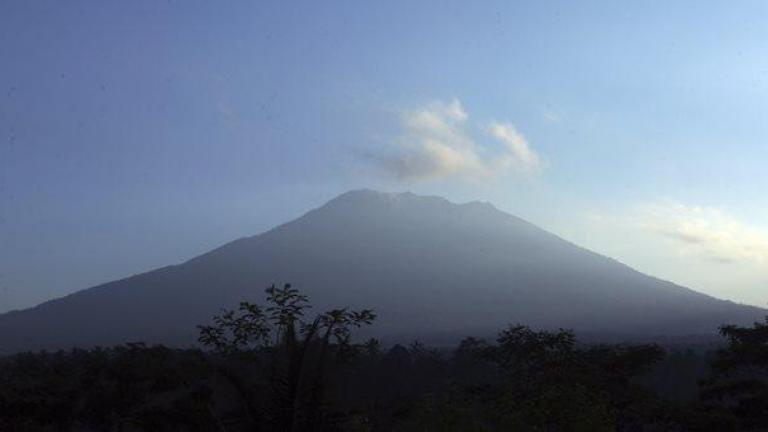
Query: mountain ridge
pixel 425 263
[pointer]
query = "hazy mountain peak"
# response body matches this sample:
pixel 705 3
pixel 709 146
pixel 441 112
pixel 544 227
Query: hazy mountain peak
pixel 369 200
pixel 370 196
pixel 428 266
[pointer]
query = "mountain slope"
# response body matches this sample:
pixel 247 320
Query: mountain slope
pixel 426 265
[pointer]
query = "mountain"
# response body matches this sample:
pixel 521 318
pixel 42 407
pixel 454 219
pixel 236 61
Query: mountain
pixel 428 267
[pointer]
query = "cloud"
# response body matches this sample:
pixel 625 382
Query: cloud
pixel 551 116
pixel 437 141
pixel 519 154
pixel 706 232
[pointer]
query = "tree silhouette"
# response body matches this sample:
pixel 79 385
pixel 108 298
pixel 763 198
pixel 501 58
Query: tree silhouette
pixel 543 381
pixel 104 389
pixel 295 351
pixel 279 367
pixel 739 379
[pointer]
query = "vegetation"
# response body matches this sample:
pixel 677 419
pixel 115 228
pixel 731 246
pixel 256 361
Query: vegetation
pixel 278 362
pixel 275 368
pixel 739 380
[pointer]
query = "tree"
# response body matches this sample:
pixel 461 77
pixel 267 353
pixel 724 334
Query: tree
pixel 105 389
pixel 297 353
pixel 739 378
pixel 545 382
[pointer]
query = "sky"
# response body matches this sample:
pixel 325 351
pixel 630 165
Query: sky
pixel 135 135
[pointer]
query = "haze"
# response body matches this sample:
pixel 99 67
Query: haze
pixel 132 136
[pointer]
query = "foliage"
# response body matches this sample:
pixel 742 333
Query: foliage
pixel 276 367
pixel 296 352
pixel 150 388
pixel 739 381
pixel 543 381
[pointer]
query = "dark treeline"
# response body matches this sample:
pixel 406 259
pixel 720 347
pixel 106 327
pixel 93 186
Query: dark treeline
pixel 275 368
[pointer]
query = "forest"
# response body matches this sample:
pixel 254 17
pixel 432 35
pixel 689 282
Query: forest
pixel 282 367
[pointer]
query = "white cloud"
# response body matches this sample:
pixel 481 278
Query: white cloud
pixel 519 154
pixel 436 141
pixel 706 232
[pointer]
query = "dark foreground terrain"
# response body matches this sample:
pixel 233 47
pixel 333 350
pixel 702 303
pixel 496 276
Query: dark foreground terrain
pixel 279 367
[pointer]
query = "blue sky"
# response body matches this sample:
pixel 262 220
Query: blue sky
pixel 138 134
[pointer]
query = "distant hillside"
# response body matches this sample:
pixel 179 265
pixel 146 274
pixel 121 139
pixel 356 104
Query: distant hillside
pixel 428 267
